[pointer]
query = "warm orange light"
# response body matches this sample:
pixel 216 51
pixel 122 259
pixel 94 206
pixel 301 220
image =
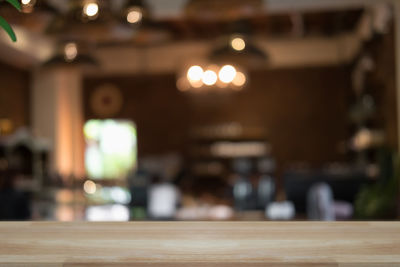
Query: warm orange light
pixel 240 79
pixel 134 15
pixel 70 51
pixel 195 73
pixel 238 44
pixel 89 187
pixel 91 9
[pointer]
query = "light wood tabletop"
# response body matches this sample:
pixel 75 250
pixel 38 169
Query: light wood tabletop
pixel 200 244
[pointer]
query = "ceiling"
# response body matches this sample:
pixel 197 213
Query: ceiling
pixel 195 20
pixel 175 22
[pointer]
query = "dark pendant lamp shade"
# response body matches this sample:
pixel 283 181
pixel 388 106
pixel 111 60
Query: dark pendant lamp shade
pixel 250 56
pixel 81 60
pixel 244 52
pixel 71 53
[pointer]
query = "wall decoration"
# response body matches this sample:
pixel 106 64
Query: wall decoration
pixel 106 101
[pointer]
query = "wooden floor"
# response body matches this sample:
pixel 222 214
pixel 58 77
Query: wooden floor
pixel 200 244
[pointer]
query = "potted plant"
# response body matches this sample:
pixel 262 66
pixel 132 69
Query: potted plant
pixel 4 24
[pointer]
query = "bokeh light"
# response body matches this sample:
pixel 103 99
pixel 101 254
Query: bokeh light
pixel 91 9
pixel 227 74
pixel 209 77
pixel 212 75
pixel 70 51
pixel 238 44
pixel 27 5
pixel 134 15
pixel 195 73
pixel 89 187
pixel 240 79
pixel 116 212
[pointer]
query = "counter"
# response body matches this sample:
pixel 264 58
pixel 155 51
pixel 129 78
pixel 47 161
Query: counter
pixel 198 244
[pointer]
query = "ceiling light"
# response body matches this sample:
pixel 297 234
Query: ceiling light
pixel 91 9
pixel 227 74
pixel 238 44
pixel 195 73
pixel 240 79
pixel 70 51
pixel 209 77
pixel 225 77
pixel 27 5
pixel 135 15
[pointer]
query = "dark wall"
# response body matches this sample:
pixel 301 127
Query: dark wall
pixel 14 95
pixel 304 111
pixel 383 84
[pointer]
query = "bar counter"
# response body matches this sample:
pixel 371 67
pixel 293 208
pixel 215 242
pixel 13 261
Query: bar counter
pixel 197 244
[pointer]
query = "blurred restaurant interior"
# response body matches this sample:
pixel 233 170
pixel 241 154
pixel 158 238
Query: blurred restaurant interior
pixel 124 110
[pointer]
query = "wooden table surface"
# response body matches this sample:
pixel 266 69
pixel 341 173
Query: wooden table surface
pixel 200 244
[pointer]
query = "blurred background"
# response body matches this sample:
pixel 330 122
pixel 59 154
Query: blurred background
pixel 200 110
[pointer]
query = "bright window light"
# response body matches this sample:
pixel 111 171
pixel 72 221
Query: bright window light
pixel 111 148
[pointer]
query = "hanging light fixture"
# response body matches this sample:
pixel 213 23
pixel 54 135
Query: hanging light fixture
pixel 70 52
pixel 27 5
pixel 39 6
pixel 227 74
pixel 209 77
pixel 238 43
pixel 233 55
pixel 136 16
pixel 90 9
pixel 135 11
pixel 212 77
pixel 240 49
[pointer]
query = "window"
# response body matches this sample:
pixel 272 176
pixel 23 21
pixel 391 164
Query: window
pixel 111 148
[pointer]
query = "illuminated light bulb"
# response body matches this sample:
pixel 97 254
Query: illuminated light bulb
pixel 70 51
pixel 209 77
pixel 227 74
pixel 240 79
pixel 238 44
pixel 91 9
pixel 134 15
pixel 195 73
pixel 27 5
pixel 89 187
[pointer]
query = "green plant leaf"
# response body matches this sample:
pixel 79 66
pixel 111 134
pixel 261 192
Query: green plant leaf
pixel 4 24
pixel 15 3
